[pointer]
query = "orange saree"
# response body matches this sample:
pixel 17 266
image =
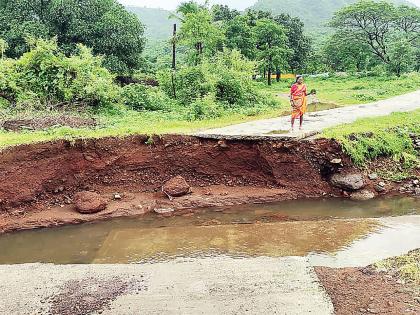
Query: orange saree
pixel 299 102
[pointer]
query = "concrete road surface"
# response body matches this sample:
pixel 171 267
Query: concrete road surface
pixel 317 121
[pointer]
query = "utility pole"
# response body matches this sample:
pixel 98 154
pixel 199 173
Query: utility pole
pixel 174 40
pixel 174 49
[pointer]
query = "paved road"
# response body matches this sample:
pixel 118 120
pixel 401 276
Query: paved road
pixel 220 285
pixel 317 121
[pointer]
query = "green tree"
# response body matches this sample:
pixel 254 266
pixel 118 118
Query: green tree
pixel 370 22
pixel 407 19
pixel 298 42
pixel 341 53
pixel 401 56
pixel 103 25
pixel 240 36
pixel 200 34
pixel 3 47
pixel 223 13
pixel 271 43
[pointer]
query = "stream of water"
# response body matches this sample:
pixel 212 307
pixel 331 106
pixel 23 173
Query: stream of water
pixel 325 231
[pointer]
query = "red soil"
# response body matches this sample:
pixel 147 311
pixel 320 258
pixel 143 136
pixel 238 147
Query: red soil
pixel 360 291
pixel 36 178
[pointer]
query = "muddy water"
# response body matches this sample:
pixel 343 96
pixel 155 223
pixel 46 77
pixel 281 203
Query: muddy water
pixel 322 230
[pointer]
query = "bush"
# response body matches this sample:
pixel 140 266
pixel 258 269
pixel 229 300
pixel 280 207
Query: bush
pixel 217 84
pixel 140 97
pixel 203 108
pixel 44 77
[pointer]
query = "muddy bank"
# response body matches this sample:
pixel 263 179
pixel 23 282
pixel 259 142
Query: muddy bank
pixel 38 182
pixel 366 291
pixel 52 171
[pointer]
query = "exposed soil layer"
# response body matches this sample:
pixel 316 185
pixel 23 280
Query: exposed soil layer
pixel 38 182
pixel 365 291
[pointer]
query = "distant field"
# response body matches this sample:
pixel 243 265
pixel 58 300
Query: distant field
pixel 352 90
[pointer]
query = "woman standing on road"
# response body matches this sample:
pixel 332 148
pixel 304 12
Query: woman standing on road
pixel 298 100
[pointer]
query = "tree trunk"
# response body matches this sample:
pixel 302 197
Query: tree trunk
pixel 269 75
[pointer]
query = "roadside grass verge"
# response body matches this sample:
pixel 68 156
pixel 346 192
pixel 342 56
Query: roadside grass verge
pixel 352 90
pixel 388 136
pixel 405 267
pixel 131 123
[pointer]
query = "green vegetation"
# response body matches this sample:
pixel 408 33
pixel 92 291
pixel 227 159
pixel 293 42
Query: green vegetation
pixel 349 90
pixel 157 23
pixel 313 13
pixel 103 25
pixel 85 58
pixel 387 34
pixel 405 267
pixel 128 123
pixel 388 136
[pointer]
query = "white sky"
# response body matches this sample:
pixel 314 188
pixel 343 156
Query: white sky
pixel 172 4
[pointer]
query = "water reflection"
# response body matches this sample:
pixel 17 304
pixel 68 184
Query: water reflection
pixel 257 230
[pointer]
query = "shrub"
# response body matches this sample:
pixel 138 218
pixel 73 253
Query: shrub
pixel 140 97
pixel 44 77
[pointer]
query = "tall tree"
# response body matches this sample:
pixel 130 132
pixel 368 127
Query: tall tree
pixel 371 23
pixel 379 26
pixel 298 42
pixel 271 44
pixel 240 36
pixel 342 53
pixel 103 25
pixel 200 34
pixel 223 13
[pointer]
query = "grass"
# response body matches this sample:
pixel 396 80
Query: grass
pixel 131 123
pixel 353 90
pixel 405 267
pixel 388 136
pixel 342 91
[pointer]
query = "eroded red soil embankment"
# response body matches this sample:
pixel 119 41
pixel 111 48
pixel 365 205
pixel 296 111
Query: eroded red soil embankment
pixel 34 177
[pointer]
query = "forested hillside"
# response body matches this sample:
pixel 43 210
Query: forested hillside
pixel 313 13
pixel 157 24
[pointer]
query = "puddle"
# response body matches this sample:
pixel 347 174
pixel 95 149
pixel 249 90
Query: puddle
pixel 254 230
pixel 315 107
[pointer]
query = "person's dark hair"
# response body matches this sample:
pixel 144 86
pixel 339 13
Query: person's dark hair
pixel 298 77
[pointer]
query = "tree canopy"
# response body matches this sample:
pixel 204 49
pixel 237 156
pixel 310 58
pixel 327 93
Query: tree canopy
pixel 103 25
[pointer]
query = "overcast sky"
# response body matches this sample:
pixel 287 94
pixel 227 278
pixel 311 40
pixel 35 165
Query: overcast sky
pixel 172 4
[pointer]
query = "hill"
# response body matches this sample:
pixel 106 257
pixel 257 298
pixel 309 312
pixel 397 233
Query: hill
pixel 157 22
pixel 313 13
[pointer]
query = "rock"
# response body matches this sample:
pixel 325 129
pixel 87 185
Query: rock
pixel 176 187
pixel 164 210
pixel 348 181
pixel 87 202
pixel 416 182
pixel 379 188
pixel 336 161
pixel 373 176
pixel 382 184
pixel 117 197
pixel 417 191
pixel 362 195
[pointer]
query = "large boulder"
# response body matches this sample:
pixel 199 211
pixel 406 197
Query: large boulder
pixel 362 195
pixel 350 182
pixel 176 187
pixel 87 202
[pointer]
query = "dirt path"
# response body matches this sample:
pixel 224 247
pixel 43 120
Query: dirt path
pixel 318 121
